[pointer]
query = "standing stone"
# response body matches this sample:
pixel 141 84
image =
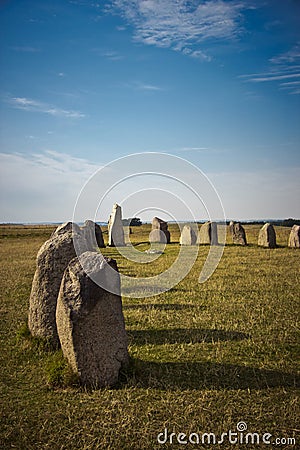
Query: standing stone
pixel 115 228
pixel 66 227
pixel 208 234
pixel 159 232
pixel 90 320
pixel 92 235
pixel 52 259
pixel 231 225
pixel 294 238
pixel 238 233
pixel 188 236
pixel 267 236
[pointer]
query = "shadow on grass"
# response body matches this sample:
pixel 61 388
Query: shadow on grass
pixel 182 336
pixel 162 307
pixel 206 375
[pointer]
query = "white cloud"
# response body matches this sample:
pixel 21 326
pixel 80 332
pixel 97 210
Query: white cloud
pixel 282 67
pixel 182 25
pixel 28 104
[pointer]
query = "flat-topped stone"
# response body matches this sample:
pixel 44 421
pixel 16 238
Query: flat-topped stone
pixel 208 234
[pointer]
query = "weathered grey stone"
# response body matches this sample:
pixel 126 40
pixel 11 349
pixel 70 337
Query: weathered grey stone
pixel 238 233
pixel 115 228
pixel 66 228
pixel 267 236
pixel 188 236
pixel 231 224
pixel 92 235
pixel 52 259
pixel 294 238
pixel 208 234
pixel 159 232
pixel 90 320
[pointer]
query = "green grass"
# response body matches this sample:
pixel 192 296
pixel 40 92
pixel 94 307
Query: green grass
pixel 203 356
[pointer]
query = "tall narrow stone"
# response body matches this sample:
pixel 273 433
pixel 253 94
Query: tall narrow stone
pixel 208 234
pixel 90 320
pixel 238 233
pixel 115 228
pixel 159 232
pixel 267 236
pixel 294 238
pixel 52 259
pixel 188 236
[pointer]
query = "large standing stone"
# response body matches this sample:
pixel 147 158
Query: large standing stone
pixel 267 236
pixel 90 320
pixel 208 234
pixel 115 228
pixel 238 233
pixel 66 227
pixel 294 238
pixel 92 235
pixel 159 232
pixel 52 259
pixel 188 236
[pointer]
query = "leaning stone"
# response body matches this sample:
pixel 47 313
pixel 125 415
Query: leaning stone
pixel 52 259
pixel 92 235
pixel 294 238
pixel 188 236
pixel 238 233
pixel 115 228
pixel 208 234
pixel 90 320
pixel 267 236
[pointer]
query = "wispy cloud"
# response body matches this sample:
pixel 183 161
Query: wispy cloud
pixel 285 66
pixel 112 55
pixel 28 104
pixel 182 25
pixel 41 186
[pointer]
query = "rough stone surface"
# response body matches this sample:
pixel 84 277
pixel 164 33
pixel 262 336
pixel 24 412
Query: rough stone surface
pixel 52 259
pixel 267 236
pixel 159 232
pixel 92 235
pixel 90 320
pixel 238 233
pixel 188 236
pixel 115 228
pixel 66 228
pixel 208 234
pixel 294 238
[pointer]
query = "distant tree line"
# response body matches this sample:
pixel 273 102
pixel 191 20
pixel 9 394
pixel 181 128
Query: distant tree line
pixel 132 222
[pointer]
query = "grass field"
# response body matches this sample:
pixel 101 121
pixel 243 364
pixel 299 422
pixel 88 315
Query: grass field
pixel 204 356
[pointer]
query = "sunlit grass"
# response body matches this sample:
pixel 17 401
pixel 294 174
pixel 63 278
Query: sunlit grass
pixel 203 356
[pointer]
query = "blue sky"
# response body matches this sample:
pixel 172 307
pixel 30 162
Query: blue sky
pixel 85 82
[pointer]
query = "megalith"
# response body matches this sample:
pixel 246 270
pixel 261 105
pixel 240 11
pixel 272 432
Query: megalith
pixel 52 259
pixel 159 232
pixel 115 228
pixel 238 233
pixel 92 236
pixel 90 320
pixel 208 234
pixel 188 236
pixel 267 236
pixel 294 238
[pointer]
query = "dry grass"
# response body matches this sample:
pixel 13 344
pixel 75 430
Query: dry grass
pixel 204 357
